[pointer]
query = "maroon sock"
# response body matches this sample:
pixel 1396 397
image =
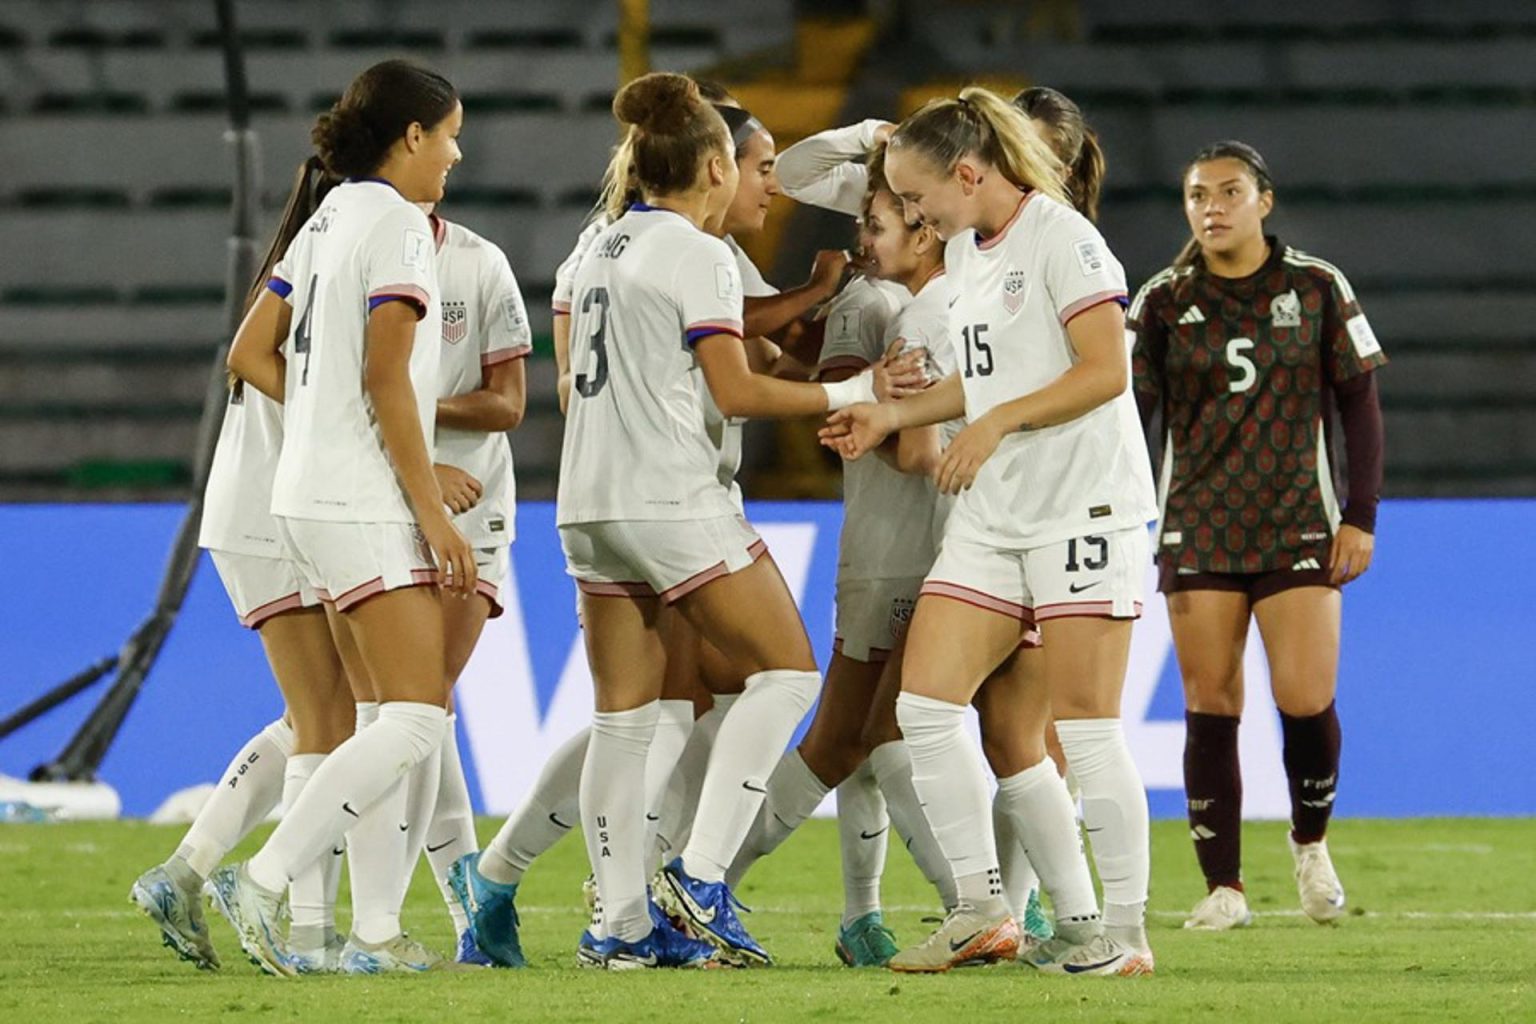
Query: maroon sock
pixel 1213 783
pixel 1312 768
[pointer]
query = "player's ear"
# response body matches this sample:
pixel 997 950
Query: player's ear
pixel 413 136
pixel 1266 203
pixel 716 171
pixel 969 175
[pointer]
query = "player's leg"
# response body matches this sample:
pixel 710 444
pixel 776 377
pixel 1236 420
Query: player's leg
pixel 681 690
pixel 1209 619
pixel 891 764
pixel 723 682
pixel 1088 593
pixel 1032 797
pixel 749 613
pixel 1300 626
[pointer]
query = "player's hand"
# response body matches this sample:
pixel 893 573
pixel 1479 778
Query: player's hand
pixel 883 133
pixel 899 374
pixel 827 271
pixel 963 458
pixel 454 557
pixel 1351 554
pixel 461 492
pixel 858 429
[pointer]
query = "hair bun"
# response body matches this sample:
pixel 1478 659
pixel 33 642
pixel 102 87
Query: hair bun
pixel 345 142
pixel 661 103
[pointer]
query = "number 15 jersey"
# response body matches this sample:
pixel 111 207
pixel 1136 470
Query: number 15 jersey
pixel 1014 295
pixel 637 445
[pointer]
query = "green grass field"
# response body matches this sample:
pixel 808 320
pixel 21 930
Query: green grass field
pixel 1443 928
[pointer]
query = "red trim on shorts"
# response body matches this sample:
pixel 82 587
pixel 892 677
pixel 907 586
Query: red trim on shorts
pixel 1080 609
pixel 261 613
pixel 1084 305
pixel 363 591
pixel 1031 640
pixel 611 589
pixel 978 598
pixel 757 549
pixel 505 355
pixel 492 593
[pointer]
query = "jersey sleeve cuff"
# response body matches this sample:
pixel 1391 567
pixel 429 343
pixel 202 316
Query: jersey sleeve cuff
pixel 1088 302
pixel 277 286
pixel 408 293
pixel 505 355
pixel 560 308
pixel 704 328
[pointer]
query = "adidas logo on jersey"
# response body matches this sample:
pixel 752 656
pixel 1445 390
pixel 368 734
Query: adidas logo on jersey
pixel 1192 315
pixel 1306 563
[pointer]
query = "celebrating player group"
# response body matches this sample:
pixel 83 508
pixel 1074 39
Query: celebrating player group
pixel 991 388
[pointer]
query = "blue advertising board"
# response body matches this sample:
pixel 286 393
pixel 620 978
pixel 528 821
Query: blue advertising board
pixel 1437 681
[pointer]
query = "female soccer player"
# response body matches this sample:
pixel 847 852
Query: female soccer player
pixel 270 596
pixel 482 384
pixel 656 318
pixel 1049 527
pixel 1245 346
pixel 355 358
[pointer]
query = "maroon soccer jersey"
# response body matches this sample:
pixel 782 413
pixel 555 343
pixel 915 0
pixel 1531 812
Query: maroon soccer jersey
pixel 1242 369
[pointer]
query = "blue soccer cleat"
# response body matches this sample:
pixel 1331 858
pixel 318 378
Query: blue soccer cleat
pixel 469 952
pixel 707 911
pixel 179 915
pixel 491 910
pixel 665 946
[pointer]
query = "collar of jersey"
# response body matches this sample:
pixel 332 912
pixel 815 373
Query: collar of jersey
pixel 372 181
pixel 988 243
pixel 647 208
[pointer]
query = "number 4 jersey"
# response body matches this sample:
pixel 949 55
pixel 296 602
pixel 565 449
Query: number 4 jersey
pixel 1014 295
pixel 365 246
pixel 637 445
pixel 1241 368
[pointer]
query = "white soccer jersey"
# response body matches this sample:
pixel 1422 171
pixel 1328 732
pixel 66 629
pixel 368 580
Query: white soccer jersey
pixel 636 443
pixel 827 169
pixel 1014 294
pixel 237 503
pixel 366 245
pixel 727 432
pixel 887 514
pixel 565 274
pixel 484 323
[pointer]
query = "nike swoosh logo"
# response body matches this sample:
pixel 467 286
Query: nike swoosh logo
pixel 338 850
pixel 652 817
pixel 781 821
pixel 1091 831
pixel 558 823
pixel 348 808
pixel 874 835
pixel 955 947
pixel 1086 586
pixel 405 826
pixel 752 788
pixel 439 846
pixel 1080 968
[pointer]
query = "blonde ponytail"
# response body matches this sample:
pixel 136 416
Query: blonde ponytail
pixel 619 189
pixel 981 122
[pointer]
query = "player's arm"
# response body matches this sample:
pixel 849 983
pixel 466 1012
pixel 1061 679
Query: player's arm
pixel 256 354
pixel 768 314
pixel 827 169
pixel 1352 354
pixel 738 391
pixel 497 404
pixel 1100 373
pixel 561 328
pixel 391 333
pixel 859 428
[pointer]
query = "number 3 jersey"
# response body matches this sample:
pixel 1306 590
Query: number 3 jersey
pixel 365 246
pixel 637 445
pixel 1241 368
pixel 1014 296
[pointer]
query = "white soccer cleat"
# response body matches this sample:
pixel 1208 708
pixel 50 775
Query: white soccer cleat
pixel 1079 951
pixel 965 939
pixel 401 954
pixel 257 914
pixel 1322 894
pixel 1223 909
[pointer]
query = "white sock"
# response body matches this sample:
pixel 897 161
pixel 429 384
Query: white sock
pixel 864 829
pixel 752 739
pixel 452 832
pixel 674 725
pixel 892 767
pixel 545 815
pixel 1042 818
pixel 1019 878
pixel 794 793
pixel 309 899
pixel 375 862
pixel 1114 813
pixel 613 816
pixel 951 781
pixel 351 780
pixel 421 787
pixel 246 793
pixel 687 781
pixel 366 712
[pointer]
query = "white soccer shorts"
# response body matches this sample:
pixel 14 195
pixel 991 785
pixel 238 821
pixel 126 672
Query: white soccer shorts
pixel 347 563
pixel 657 558
pixel 872 616
pixel 260 587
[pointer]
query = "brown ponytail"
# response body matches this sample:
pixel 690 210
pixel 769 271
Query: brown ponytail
pixel 355 135
pixel 311 183
pixel 671 131
pixel 1073 141
pixel 983 123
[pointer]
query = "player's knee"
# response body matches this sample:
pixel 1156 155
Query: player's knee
pixel 1213 692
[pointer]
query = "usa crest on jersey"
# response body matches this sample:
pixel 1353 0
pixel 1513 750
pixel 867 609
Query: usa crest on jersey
pixel 455 322
pixel 1013 290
